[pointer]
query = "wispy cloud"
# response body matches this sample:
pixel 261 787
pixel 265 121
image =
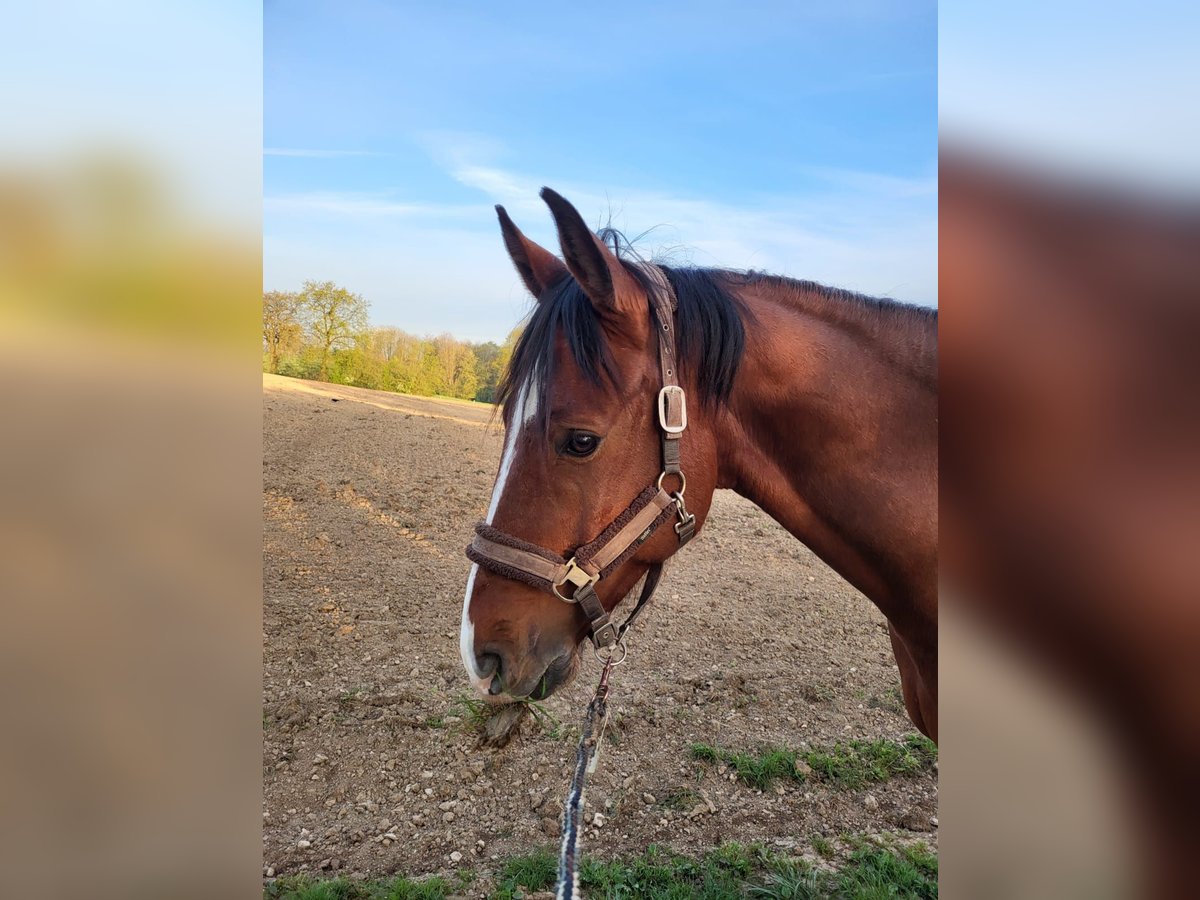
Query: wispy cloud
pixel 368 205
pixel 316 154
pixel 866 231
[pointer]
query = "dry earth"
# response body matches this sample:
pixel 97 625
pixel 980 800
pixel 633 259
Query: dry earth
pixel 371 767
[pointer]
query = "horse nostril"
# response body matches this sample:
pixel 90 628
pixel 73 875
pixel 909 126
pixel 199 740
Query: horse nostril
pixel 487 664
pixel 496 687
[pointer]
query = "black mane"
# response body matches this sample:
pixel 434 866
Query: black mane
pixel 710 335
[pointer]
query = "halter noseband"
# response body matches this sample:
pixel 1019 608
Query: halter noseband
pixel 574 580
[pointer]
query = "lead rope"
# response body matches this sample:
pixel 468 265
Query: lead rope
pixel 586 758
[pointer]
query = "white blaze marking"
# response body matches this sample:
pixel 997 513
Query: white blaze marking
pixel 466 637
pixel 523 410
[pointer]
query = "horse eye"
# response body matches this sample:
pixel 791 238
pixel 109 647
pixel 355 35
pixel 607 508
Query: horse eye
pixel 581 443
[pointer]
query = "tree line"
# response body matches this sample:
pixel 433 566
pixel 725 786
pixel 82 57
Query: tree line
pixel 321 332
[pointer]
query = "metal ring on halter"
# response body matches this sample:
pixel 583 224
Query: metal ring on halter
pixel 611 653
pixel 682 481
pixel 554 589
pixel 577 576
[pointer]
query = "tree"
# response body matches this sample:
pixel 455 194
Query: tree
pixel 487 370
pixel 336 317
pixel 465 382
pixel 387 342
pixel 283 324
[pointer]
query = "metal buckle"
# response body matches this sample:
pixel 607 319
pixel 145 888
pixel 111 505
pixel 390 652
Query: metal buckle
pixel 672 390
pixel 686 526
pixel 605 636
pixel 611 654
pixel 577 576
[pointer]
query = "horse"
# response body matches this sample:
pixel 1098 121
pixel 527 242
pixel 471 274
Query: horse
pixel 636 390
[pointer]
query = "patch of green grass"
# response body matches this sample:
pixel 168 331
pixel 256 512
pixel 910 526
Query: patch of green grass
pixel 298 887
pixel 822 846
pixel 662 875
pixel 922 747
pixel 873 873
pixel 729 872
pixel 848 765
pixel 435 888
pixel 301 887
pixel 535 871
pixel 791 880
pixel 759 770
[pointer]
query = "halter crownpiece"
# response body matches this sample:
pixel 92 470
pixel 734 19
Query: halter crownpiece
pixel 574 580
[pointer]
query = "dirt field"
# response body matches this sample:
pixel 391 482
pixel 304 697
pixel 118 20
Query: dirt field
pixel 370 764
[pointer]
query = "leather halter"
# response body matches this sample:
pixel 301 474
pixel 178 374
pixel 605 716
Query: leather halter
pixel 574 580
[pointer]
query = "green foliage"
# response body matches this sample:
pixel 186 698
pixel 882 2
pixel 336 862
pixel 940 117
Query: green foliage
pixel 301 887
pixel 823 846
pixel 664 875
pixel 335 318
pixel 435 888
pixel 283 318
pixel 792 880
pixel 877 874
pixel 535 871
pixel 759 770
pixel 847 765
pixel 856 763
pixel 489 368
pixel 321 333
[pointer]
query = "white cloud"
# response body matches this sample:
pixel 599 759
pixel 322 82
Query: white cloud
pixel 316 154
pixel 865 231
pixel 366 204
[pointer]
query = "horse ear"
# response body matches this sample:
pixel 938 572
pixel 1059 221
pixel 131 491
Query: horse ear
pixel 594 266
pixel 538 267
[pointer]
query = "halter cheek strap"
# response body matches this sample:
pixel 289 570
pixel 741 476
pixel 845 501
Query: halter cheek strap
pixel 574 580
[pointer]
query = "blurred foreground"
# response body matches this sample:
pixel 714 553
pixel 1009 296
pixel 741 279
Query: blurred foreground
pixel 130 278
pixel 1070 501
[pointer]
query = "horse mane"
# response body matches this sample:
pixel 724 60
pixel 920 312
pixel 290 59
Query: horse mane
pixel 710 332
pixel 848 303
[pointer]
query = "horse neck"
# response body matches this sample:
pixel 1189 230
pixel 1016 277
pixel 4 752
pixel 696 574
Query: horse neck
pixel 832 430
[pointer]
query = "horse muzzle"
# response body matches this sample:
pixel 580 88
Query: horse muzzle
pixel 537 683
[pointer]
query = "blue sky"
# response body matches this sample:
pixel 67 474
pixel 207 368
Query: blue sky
pixel 799 138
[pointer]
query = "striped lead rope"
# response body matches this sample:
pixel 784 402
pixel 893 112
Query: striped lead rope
pixel 586 758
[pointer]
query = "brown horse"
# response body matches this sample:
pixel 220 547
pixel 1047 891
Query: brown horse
pixel 818 405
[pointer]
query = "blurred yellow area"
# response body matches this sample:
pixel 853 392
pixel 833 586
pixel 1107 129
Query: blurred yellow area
pixel 129 535
pixel 97 245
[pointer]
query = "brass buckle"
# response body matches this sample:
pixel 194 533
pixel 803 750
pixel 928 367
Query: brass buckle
pixel 687 520
pixel 576 576
pixel 672 390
